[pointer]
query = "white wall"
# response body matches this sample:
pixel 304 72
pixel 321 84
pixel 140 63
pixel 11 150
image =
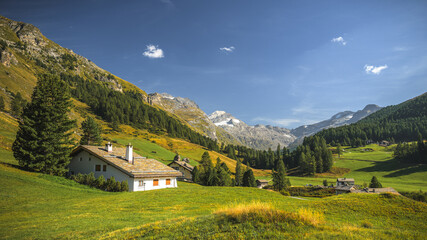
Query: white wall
pixel 149 183
pixel 85 167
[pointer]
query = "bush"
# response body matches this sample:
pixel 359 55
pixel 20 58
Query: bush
pixel 285 193
pixel 111 185
pixel 100 182
pixel 124 186
pixel 311 191
pixel 417 195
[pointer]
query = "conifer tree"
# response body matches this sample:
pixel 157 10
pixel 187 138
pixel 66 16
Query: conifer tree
pixel 339 150
pixel 17 105
pixel 375 183
pixel 239 173
pixel 280 181
pixel 1 103
pixel 43 142
pixel 248 179
pixel 91 132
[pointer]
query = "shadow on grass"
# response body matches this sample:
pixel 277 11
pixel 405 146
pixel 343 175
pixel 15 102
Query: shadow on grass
pixel 395 167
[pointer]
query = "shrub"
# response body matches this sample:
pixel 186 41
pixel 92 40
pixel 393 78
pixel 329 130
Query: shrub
pixel 117 187
pixel 417 195
pixel 325 183
pixel 80 178
pixel 90 179
pixel 124 187
pixel 100 182
pixel 110 185
pixel 285 193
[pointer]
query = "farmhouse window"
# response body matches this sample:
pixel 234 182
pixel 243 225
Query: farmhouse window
pixel 90 159
pixel 81 159
pixel 168 182
pixel 97 168
pixel 104 168
pixel 141 183
pixel 155 182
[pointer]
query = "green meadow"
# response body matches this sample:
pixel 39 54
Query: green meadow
pixel 38 206
pixel 380 163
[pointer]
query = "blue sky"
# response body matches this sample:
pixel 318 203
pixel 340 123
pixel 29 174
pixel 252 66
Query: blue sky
pixel 285 63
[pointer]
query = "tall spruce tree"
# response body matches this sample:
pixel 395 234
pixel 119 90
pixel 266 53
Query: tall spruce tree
pixel 280 181
pixel 91 132
pixel 43 142
pixel 248 179
pixel 239 173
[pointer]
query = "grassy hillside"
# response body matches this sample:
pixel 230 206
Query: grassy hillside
pixel 380 163
pixel 362 165
pixel 39 206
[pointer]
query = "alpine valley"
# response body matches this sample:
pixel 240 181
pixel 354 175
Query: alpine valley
pixel 210 176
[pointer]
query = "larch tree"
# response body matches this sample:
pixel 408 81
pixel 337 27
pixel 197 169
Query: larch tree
pixel 43 142
pixel 91 132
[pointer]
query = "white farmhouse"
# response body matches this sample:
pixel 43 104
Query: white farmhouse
pixel 140 173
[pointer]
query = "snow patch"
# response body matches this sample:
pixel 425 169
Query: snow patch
pixel 216 114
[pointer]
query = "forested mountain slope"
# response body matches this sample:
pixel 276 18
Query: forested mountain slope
pixel 25 53
pixel 402 122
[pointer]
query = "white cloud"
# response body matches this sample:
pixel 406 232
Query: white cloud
pixel 227 49
pixel 153 52
pixel 339 40
pixel 375 70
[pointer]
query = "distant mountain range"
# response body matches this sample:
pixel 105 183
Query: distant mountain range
pixel 226 128
pixel 339 119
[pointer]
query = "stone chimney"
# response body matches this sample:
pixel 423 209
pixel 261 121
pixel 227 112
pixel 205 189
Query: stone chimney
pixel 109 147
pixel 129 153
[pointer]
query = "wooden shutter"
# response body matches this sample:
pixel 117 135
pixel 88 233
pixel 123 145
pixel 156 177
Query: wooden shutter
pixel 155 182
pixel 168 182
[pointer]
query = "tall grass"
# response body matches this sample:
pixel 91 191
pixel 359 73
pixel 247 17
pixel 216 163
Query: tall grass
pixel 267 213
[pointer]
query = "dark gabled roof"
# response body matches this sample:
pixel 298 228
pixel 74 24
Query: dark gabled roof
pixel 183 164
pixel 141 167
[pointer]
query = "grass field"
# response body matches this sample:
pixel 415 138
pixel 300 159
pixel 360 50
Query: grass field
pixel 39 206
pixel 380 163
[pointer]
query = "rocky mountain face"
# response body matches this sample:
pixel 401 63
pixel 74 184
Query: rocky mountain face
pixel 226 128
pixel 189 111
pixel 339 119
pixel 259 136
pixel 25 53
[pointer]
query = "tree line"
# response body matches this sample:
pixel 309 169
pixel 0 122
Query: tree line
pixel 219 175
pixel 413 153
pixel 399 123
pixel 313 156
pixel 129 108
